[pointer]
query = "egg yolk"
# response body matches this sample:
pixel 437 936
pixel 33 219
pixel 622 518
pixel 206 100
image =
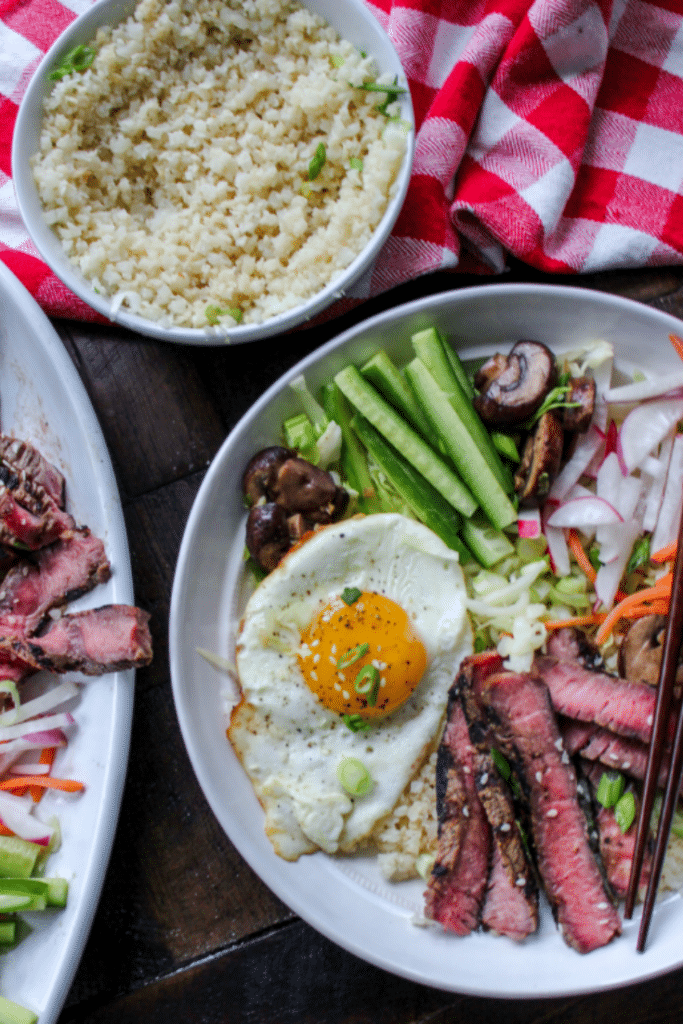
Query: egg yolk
pixel 362 658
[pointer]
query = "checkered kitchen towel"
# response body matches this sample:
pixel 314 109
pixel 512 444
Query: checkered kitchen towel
pixel 549 129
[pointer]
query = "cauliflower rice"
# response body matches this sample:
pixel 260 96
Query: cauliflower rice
pixel 175 170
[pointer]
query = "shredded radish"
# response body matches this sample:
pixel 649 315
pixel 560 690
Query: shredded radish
pixel 655 493
pixel 642 390
pixel 529 523
pixel 62 720
pixel 645 428
pixel 666 530
pixel 48 701
pixel 15 814
pixel 582 512
pixel 587 447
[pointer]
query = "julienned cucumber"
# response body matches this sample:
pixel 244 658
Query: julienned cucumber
pixel 354 464
pixel 424 500
pixel 388 422
pixel 470 461
pixel 431 349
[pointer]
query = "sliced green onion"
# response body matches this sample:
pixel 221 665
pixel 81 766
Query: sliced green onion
pixel 610 788
pixel 367 684
pixel 356 723
pixel 625 811
pixel 501 764
pixel 336 60
pixel 356 164
pixel 78 59
pixel 352 656
pixel 9 687
pixel 214 313
pixel 317 163
pixel 640 554
pixel 350 595
pixel 354 776
pixel 424 864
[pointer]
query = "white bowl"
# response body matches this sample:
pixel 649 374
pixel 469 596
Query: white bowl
pixel 353 21
pixel 345 898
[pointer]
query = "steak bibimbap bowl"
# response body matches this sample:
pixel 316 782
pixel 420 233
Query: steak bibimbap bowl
pixel 432 634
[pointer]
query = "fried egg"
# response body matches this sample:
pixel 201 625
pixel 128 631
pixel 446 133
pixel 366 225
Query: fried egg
pixel 346 651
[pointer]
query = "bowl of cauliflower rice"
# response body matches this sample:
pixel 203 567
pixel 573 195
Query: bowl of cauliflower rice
pixel 214 171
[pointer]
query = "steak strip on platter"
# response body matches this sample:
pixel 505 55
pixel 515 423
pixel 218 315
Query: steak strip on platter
pixel 107 639
pixel 58 574
pixel 525 726
pixel 31 468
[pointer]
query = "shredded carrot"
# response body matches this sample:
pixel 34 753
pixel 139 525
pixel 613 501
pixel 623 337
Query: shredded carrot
pixel 625 608
pixel 68 785
pixel 576 548
pixel 577 620
pixel 664 554
pixel 677 344
pixel 4 831
pixel 47 756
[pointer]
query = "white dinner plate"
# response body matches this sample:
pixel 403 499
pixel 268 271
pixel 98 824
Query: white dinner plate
pixel 43 400
pixel 345 898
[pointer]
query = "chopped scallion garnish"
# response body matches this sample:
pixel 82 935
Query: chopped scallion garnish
pixel 350 595
pixel 353 655
pixel 640 554
pixel 354 776
pixel 367 684
pixel 214 313
pixel 500 763
pixel 625 811
pixel 78 59
pixel 355 723
pixel 610 788
pixel 356 164
pixel 392 91
pixel 317 163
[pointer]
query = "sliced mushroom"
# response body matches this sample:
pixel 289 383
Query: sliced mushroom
pixel 578 417
pixel 513 394
pixel 268 536
pixel 260 476
pixel 540 459
pixel 303 487
pixel 640 654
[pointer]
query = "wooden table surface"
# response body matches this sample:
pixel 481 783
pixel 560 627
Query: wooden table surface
pixel 185 931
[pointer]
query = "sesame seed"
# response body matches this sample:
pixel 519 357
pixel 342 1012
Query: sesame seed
pixel 466 811
pixel 539 776
pixel 505 827
pixel 552 813
pixel 484 779
pixel 520 882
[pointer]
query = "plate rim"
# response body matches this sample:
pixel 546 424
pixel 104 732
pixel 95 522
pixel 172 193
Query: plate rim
pixel 91 880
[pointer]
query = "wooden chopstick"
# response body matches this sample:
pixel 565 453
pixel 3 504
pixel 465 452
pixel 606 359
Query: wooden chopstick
pixel 667 678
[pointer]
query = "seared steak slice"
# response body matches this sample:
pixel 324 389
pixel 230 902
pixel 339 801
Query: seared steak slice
pixel 60 573
pixel 576 692
pixel 27 463
pixel 29 518
pixel 511 901
pixel 456 886
pixel 96 641
pixel 570 644
pixel 525 724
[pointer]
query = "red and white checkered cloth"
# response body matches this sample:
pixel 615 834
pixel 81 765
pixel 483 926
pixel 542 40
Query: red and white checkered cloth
pixel 549 129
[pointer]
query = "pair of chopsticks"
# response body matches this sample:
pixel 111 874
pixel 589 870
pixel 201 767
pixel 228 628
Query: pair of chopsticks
pixel 667 678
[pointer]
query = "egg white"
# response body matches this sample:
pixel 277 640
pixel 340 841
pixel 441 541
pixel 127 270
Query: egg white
pixel 289 744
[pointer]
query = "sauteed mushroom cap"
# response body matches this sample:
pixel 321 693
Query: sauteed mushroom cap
pixel 513 388
pixel 260 477
pixel 267 534
pixel 540 459
pixel 640 654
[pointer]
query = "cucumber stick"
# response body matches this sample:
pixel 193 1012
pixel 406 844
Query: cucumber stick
pixel 430 348
pixel 354 462
pixel 424 340
pixel 13 1013
pixel 430 507
pixel 387 378
pixel 389 423
pixel 487 544
pixel 472 463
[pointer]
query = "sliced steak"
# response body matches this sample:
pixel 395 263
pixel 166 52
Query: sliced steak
pixel 520 706
pixel 27 463
pixel 29 518
pixel 107 639
pixel 570 644
pixel 576 692
pixel 60 573
pixel 511 901
pixel 456 886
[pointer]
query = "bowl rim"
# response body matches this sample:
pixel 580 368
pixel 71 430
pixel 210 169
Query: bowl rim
pixel 25 144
